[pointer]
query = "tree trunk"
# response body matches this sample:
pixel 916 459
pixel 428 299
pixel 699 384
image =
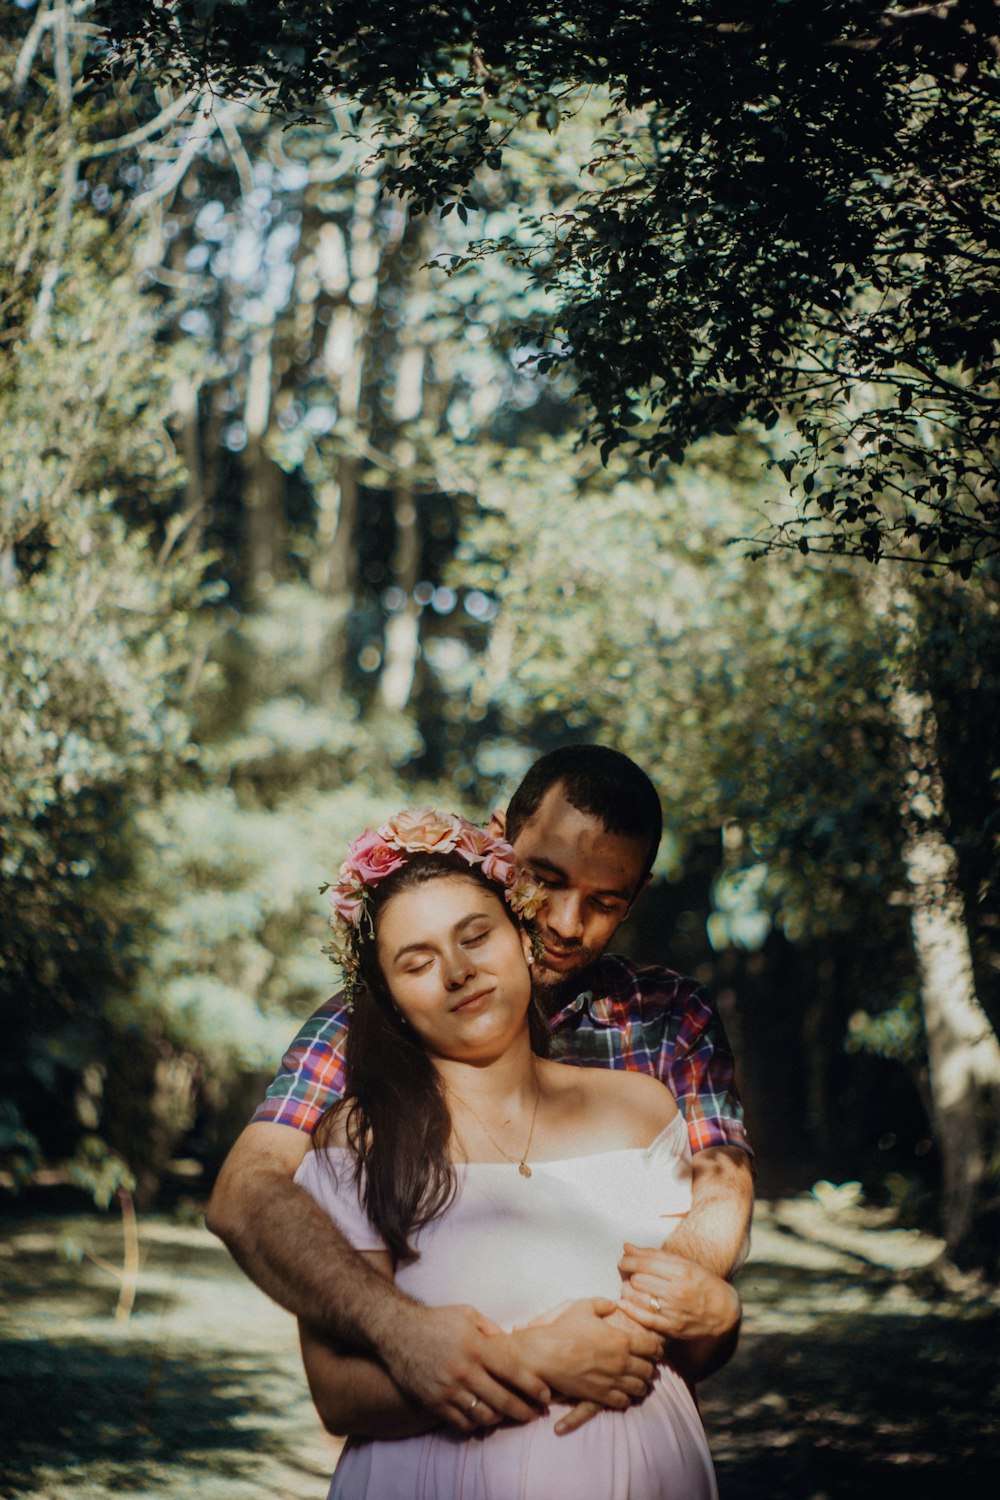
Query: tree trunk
pixel 402 631
pixel 347 265
pixel 963 1052
pixel 263 489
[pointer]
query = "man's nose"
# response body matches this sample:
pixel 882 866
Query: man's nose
pixel 563 915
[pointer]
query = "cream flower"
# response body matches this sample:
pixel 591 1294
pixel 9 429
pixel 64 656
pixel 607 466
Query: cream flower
pixel 421 830
pixel 525 897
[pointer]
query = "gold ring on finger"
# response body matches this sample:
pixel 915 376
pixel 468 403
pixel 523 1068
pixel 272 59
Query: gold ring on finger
pixel 472 1405
pixel 655 1303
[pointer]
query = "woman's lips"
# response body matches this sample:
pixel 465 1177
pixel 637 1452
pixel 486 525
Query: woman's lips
pixel 471 1002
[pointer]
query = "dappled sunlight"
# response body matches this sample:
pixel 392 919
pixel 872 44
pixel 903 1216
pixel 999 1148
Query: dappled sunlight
pixel 849 1381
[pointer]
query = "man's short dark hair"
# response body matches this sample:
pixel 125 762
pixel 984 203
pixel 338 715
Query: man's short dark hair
pixel 595 780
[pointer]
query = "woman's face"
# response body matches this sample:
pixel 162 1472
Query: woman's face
pixel 455 965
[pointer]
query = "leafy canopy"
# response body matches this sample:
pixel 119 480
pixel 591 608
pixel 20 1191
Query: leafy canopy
pixel 787 217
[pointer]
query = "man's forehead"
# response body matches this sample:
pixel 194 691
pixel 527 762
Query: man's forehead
pixel 560 832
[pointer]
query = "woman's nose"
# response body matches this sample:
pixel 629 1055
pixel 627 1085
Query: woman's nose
pixel 459 967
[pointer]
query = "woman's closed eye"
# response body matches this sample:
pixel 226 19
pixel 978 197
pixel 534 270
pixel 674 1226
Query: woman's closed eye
pixel 416 966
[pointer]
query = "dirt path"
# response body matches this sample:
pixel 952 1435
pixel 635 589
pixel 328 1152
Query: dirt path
pixel 850 1380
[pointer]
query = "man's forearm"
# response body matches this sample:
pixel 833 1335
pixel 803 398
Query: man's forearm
pixel 296 1254
pixel 681 1290
pixel 716 1233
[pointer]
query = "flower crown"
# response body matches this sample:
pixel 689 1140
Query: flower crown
pixel 378 853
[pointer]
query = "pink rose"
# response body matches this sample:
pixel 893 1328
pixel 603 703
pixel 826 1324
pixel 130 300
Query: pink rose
pixel 348 902
pixel 421 830
pixel 473 843
pixel 498 863
pixel 371 859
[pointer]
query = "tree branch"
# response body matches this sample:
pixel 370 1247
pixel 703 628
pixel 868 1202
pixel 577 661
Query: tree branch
pixel 143 133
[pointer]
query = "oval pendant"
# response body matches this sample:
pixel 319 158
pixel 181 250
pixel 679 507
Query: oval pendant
pixel 524 1169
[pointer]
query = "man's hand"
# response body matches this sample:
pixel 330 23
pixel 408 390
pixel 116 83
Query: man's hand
pixel 454 1361
pixel 672 1296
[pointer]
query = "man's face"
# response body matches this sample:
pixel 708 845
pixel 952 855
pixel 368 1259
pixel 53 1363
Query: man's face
pixel 591 877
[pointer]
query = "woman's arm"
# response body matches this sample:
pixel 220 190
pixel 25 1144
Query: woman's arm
pixel 357 1397
pixel 354 1394
pixel 288 1244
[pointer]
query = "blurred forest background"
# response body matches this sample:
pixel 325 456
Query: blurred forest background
pixel 293 531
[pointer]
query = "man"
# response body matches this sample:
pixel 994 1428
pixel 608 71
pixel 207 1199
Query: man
pixel 585 823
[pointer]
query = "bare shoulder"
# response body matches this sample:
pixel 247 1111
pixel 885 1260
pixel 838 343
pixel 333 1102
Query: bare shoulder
pixel 625 1109
pixel 332 1129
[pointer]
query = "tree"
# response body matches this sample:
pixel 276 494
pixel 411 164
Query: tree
pixel 324 389
pixel 793 708
pixel 99 596
pixel 789 216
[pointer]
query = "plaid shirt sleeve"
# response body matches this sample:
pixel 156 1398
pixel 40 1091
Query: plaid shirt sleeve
pixel 311 1076
pixel 698 1069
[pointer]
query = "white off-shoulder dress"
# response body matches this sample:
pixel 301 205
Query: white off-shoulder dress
pixel 516 1247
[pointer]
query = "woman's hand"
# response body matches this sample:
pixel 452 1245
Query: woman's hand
pixel 588 1352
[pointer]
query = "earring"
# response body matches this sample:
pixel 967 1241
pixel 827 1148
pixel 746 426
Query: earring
pixel 531 959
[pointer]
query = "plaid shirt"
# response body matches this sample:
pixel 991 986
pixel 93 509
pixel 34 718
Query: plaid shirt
pixel 645 1018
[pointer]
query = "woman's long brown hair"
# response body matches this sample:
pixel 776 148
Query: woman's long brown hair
pixel 397 1120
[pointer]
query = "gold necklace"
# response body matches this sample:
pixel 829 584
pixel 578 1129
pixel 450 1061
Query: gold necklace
pixel 522 1161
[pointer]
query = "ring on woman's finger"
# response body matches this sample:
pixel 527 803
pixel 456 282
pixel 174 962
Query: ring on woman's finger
pixel 472 1405
pixel 655 1303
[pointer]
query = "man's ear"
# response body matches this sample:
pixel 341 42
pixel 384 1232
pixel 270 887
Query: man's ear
pixel 638 892
pixel 497 826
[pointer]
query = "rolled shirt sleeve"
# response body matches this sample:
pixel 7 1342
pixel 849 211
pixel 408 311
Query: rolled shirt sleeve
pixel 312 1076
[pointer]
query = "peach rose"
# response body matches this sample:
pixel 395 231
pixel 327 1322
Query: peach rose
pixel 421 830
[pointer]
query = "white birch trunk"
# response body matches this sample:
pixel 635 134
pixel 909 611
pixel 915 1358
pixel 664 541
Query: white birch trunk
pixel 963 1052
pixel 402 631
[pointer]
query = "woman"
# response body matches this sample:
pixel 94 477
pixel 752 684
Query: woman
pixel 471 1168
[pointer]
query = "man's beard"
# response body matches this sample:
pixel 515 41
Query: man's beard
pixel 554 988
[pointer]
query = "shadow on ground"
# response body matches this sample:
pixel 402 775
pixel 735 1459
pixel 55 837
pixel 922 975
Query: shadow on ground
pixel 896 1397
pixel 129 1416
pixel 199 1393
pixel 852 1380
